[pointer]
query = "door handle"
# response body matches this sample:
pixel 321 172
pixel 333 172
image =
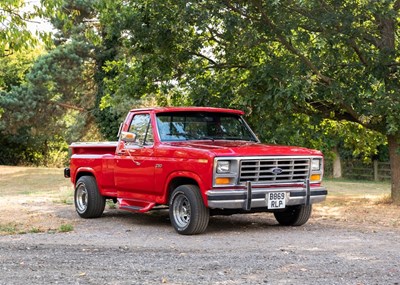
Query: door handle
pixel 122 152
pixel 127 152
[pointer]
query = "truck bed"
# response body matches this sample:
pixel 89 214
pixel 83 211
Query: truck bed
pixel 94 147
pixel 97 159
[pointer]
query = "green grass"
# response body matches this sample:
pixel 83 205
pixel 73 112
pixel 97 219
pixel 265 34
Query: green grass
pixel 64 228
pixel 357 189
pixel 28 186
pixel 12 229
pixel 9 228
pixel 31 181
pixel 111 204
pixel 35 230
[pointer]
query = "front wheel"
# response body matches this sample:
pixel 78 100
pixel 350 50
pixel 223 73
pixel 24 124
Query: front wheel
pixel 294 215
pixel 88 201
pixel 187 212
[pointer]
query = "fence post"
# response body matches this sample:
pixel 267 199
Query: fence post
pixel 376 178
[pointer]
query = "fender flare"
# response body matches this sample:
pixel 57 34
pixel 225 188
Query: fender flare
pixel 85 169
pixel 183 175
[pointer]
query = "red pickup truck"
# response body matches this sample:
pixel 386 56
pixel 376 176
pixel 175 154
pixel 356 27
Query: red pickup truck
pixel 198 161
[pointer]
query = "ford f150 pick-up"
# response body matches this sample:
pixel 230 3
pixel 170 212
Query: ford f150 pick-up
pixel 199 161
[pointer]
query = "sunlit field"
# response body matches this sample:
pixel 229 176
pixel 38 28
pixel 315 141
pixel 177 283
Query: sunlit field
pixel 41 200
pixel 32 181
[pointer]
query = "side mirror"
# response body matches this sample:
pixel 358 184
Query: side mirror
pixel 128 137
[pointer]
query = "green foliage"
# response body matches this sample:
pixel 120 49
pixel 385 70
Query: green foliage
pixel 293 66
pixel 49 108
pixel 14 67
pixel 34 107
pixel 312 73
pixel 320 74
pixel 15 17
pixel 359 141
pixel 14 35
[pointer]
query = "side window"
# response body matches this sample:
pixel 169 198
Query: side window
pixel 141 126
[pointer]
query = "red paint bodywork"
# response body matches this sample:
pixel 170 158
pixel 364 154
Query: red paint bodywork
pixel 137 180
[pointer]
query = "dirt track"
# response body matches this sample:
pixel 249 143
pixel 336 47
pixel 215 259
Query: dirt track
pixel 126 248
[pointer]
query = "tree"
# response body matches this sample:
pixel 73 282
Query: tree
pixel 15 17
pixel 343 59
pixel 13 29
pixel 52 103
pixel 13 69
pixel 279 60
pixel 49 108
pixel 77 23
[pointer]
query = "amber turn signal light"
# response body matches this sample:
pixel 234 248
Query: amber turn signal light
pixel 315 177
pixel 222 180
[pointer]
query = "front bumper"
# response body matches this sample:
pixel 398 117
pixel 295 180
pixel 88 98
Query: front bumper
pixel 251 197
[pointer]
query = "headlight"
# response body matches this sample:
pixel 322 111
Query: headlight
pixel 316 164
pixel 225 171
pixel 223 166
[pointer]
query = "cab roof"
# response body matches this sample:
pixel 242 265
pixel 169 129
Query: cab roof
pixel 189 109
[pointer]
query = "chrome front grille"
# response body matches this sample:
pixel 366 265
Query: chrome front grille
pixel 281 170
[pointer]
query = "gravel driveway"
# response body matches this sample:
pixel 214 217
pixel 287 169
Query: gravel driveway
pixel 127 248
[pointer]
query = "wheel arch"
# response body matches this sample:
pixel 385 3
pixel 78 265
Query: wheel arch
pixel 89 172
pixel 85 172
pixel 183 178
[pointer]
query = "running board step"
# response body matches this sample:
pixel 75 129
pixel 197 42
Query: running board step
pixel 135 205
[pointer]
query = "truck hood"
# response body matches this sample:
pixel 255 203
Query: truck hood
pixel 244 148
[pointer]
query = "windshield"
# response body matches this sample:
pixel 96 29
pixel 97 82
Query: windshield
pixel 184 126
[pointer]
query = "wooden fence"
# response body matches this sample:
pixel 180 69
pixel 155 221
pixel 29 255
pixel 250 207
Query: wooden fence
pixel 354 169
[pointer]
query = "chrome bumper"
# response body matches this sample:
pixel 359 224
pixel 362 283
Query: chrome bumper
pixel 250 197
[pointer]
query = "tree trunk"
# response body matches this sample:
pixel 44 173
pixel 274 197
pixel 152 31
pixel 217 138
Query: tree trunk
pixel 337 164
pixel 394 154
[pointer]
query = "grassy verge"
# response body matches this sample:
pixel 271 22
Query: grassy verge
pixel 367 191
pixel 32 200
pixel 362 204
pixel 32 181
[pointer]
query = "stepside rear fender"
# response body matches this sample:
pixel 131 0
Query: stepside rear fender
pixel 101 167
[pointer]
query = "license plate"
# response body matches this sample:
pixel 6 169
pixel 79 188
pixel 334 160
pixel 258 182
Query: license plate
pixel 276 200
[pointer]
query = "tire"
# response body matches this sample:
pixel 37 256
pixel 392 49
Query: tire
pixel 294 215
pixel 187 212
pixel 88 201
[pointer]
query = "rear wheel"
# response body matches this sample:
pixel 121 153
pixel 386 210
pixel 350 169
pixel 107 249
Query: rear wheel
pixel 187 211
pixel 88 201
pixel 294 215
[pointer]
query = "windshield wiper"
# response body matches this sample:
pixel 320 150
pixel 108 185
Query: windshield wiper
pixel 183 136
pixel 225 138
pixel 208 138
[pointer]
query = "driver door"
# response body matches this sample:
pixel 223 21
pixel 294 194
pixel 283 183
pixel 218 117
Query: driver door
pixel 134 171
